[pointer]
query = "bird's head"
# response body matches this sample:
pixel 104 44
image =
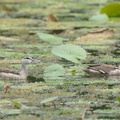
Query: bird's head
pixel 27 60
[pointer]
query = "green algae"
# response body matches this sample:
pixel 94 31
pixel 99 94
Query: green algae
pixel 76 91
pixel 112 60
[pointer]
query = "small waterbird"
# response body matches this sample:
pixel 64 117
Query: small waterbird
pixel 13 74
pixel 102 69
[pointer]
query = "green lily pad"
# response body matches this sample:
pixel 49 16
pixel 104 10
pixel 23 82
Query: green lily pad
pixel 99 18
pixel 70 52
pixel 111 10
pixel 50 38
pixel 118 99
pixel 54 70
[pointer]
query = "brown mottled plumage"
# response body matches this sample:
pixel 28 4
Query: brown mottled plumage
pixel 102 69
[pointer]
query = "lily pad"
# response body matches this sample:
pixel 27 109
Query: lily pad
pixel 99 18
pixel 111 10
pixel 118 99
pixel 70 52
pixel 54 70
pixel 50 38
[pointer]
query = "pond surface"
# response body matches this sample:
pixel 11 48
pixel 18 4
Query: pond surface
pixel 75 95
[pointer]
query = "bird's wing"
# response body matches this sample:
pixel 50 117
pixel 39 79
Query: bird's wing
pixel 103 68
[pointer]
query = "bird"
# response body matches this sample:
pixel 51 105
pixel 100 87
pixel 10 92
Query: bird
pixel 102 69
pixel 13 74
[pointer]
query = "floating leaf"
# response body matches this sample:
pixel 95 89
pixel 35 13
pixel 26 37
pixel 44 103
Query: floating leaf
pixel 70 52
pixel 111 10
pixel 18 105
pixel 99 18
pixel 50 38
pixel 54 70
pixel 49 99
pixel 23 107
pixel 118 99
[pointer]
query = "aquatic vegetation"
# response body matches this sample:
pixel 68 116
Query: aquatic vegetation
pixel 70 52
pixel 54 70
pixel 99 18
pixel 112 9
pixel 50 38
pixel 51 99
pixel 56 88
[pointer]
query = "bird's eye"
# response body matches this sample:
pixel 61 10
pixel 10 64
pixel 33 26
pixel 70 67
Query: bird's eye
pixel 27 58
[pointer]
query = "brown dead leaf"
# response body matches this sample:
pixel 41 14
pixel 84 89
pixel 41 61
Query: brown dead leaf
pixel 102 33
pixel 52 17
pixel 107 30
